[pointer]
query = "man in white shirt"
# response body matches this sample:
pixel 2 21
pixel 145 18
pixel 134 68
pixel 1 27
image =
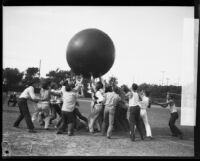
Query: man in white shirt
pixel 134 112
pixel 27 94
pixel 111 100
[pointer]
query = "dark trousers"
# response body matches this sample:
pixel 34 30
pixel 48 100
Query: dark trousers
pixel 76 112
pixel 24 113
pixel 175 131
pixel 134 120
pixel 67 121
pixel 12 101
pixel 55 109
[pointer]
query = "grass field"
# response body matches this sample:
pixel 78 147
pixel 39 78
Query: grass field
pixel 18 142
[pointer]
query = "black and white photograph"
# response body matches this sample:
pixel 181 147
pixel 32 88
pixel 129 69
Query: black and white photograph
pixel 99 81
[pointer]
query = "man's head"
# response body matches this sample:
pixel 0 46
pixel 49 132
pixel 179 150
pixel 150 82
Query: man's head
pixel 134 87
pixel 46 84
pixel 33 83
pixel 108 89
pixel 99 85
pixel 54 85
pixel 116 90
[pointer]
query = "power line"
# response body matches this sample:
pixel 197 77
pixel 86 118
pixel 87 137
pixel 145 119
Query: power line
pixel 39 68
pixel 163 73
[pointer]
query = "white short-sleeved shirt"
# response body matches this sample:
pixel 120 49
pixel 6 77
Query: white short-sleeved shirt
pixel 69 100
pixel 28 93
pixel 144 103
pixel 100 97
pixel 133 99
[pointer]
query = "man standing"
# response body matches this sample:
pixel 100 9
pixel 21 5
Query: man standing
pixel 134 112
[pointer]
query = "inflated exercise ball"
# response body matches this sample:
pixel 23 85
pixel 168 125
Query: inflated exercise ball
pixel 90 51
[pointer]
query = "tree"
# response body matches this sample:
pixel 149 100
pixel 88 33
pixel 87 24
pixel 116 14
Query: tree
pixel 59 75
pixel 12 76
pixel 30 74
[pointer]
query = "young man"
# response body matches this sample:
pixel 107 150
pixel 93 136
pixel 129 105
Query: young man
pixel 27 94
pixel 97 106
pixel 12 99
pixel 70 97
pixel 55 103
pixel 43 107
pixel 173 117
pixel 111 100
pixel 134 112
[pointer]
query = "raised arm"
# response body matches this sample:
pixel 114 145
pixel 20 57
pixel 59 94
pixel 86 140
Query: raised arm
pixel 79 81
pixel 92 83
pixel 82 94
pixel 103 82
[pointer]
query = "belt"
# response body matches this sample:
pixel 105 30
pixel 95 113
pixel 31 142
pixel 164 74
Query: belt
pixel 23 99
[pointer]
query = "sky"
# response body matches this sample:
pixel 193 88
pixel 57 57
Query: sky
pixel 148 40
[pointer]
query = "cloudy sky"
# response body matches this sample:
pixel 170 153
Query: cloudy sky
pixel 148 40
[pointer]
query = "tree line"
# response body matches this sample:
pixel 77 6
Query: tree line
pixel 14 80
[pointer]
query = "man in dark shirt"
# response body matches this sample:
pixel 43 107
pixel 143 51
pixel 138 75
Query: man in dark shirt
pixel 12 99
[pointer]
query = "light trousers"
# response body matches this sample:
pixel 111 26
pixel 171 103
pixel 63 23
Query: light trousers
pixel 95 118
pixel 42 114
pixel 108 120
pixel 143 114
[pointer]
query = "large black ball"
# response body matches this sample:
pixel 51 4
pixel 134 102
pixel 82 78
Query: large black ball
pixel 90 51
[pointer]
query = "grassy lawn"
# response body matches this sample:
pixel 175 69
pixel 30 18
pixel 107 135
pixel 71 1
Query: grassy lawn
pixel 47 143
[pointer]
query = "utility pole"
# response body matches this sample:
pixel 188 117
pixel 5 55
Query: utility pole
pixel 167 80
pixel 39 68
pixel 178 81
pixel 163 73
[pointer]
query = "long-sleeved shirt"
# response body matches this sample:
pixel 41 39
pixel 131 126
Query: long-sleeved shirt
pixel 28 93
pixel 111 99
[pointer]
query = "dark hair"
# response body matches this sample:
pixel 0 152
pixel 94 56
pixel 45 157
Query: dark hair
pixel 54 85
pixel 46 84
pixel 125 88
pixel 108 89
pixel 116 90
pixel 134 86
pixel 32 82
pixel 65 83
pixel 99 85
pixel 67 86
pixel 72 85
pixel 147 93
